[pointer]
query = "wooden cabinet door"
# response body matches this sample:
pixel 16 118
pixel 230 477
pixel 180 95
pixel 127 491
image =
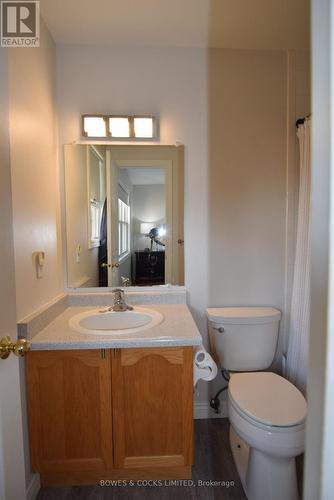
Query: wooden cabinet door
pixel 152 391
pixel 70 413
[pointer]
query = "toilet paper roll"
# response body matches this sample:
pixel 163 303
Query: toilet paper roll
pixel 201 356
pixel 205 368
pixel 204 374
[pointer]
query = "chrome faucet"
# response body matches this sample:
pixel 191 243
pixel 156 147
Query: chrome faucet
pixel 119 301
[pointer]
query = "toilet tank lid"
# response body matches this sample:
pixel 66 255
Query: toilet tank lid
pixel 243 315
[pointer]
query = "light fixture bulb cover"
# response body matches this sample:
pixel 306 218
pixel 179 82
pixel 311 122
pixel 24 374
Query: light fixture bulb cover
pixel 119 126
pixel 143 127
pixel 94 126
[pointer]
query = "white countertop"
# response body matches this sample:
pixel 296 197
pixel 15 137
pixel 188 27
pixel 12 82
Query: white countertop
pixel 177 329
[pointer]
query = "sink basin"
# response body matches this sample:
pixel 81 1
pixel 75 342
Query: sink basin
pixel 102 322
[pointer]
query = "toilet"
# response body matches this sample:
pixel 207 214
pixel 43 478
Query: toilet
pixel 267 413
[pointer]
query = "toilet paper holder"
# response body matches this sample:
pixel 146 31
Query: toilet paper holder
pixel 204 367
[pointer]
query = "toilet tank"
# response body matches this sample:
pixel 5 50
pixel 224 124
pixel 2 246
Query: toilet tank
pixel 243 338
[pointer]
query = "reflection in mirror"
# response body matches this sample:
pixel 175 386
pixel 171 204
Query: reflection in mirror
pixel 124 215
pixel 96 183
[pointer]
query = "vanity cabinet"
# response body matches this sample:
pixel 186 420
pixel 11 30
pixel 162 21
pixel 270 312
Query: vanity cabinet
pixel 152 407
pixel 102 414
pixel 69 395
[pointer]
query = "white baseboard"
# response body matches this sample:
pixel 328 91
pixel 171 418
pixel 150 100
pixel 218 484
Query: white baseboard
pixel 202 409
pixel 33 487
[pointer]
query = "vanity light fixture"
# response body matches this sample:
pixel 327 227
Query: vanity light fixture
pixel 119 127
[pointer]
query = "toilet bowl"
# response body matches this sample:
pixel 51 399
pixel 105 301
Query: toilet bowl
pixel 267 415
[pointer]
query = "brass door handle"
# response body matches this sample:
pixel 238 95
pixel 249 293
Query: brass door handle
pixel 104 264
pixel 19 348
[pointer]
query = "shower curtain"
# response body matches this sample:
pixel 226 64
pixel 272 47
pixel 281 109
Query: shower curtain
pixel 300 305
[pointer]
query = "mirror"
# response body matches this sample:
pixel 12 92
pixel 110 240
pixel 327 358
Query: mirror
pixel 124 215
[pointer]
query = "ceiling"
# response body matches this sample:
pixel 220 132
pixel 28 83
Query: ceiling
pixel 143 176
pixel 244 24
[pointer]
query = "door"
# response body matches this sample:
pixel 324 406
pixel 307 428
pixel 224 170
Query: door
pixel 171 159
pixel 152 407
pixel 112 210
pixel 12 476
pixel 319 455
pixel 70 411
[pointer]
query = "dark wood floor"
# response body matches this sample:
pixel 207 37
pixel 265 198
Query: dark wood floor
pixel 213 462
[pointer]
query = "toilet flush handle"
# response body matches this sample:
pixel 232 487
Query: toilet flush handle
pixel 220 329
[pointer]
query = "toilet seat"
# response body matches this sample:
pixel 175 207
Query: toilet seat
pixel 268 399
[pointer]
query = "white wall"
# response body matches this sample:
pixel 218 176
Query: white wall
pixel 247 148
pixel 35 175
pixel 35 184
pixel 148 205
